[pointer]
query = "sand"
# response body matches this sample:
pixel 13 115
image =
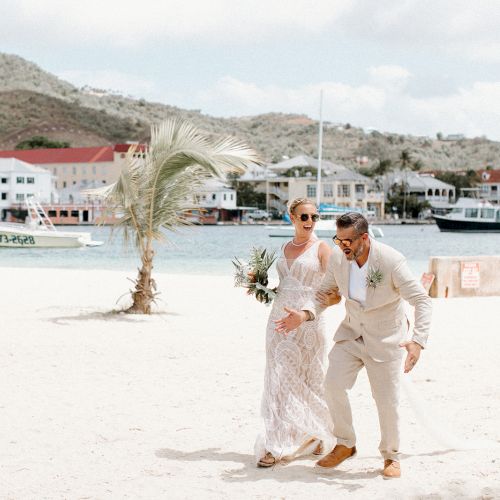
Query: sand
pixel 95 404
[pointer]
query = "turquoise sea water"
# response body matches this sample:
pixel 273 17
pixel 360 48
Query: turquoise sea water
pixel 209 249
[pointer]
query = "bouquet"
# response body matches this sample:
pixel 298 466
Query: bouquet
pixel 253 276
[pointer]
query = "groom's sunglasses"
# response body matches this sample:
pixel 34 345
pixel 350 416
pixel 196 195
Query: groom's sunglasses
pixel 314 217
pixel 345 243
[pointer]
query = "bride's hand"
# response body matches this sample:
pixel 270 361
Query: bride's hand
pixel 327 299
pixel 290 322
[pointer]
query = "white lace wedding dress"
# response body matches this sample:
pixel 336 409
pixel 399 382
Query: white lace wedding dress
pixel 293 404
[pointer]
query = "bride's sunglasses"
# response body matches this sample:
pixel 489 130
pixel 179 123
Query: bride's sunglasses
pixel 305 217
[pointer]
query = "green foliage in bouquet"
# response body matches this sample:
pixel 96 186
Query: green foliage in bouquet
pixel 254 275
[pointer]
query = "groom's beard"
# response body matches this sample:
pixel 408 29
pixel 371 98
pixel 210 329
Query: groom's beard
pixel 353 255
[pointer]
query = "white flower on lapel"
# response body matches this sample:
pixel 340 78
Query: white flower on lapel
pixel 374 277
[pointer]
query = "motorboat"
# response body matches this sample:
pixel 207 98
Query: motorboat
pixel 39 232
pixel 323 229
pixel 470 215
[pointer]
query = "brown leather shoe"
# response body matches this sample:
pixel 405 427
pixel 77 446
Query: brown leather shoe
pixel 336 456
pixel 392 469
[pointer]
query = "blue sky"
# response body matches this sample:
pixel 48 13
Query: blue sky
pixel 404 66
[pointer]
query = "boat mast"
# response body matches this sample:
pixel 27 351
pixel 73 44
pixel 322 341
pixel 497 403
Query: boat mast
pixel 320 149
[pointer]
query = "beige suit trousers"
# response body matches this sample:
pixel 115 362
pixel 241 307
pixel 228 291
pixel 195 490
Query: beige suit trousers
pixel 347 358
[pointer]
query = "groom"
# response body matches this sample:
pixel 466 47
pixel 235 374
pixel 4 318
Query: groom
pixel 374 278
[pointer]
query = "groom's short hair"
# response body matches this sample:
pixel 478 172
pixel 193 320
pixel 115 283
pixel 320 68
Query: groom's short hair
pixel 355 220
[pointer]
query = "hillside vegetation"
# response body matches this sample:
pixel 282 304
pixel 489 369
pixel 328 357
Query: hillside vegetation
pixel 35 102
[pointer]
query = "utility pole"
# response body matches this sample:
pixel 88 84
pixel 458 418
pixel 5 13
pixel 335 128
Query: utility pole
pixel 320 149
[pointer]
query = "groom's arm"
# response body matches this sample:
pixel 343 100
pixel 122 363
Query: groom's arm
pixel 414 293
pixel 310 308
pixel 328 284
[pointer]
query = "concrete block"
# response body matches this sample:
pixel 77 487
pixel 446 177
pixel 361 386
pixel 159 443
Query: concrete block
pixel 458 276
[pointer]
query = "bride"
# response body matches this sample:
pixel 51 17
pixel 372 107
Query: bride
pixel 296 416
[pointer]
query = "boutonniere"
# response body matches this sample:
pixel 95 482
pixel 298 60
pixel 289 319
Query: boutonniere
pixel 374 277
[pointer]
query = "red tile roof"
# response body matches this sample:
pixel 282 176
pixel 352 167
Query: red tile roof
pixel 489 176
pixel 61 155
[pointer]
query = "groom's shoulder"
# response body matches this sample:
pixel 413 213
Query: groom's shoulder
pixel 389 253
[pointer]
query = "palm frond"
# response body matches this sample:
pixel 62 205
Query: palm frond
pixel 156 190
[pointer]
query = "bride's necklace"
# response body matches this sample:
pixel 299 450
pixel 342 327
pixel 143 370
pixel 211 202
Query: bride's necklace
pixel 300 244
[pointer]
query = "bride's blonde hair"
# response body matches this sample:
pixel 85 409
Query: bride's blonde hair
pixel 292 205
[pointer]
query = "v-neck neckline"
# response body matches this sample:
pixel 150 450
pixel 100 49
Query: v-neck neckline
pixel 289 267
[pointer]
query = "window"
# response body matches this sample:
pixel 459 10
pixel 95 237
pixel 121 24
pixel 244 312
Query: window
pixel 4 180
pixel 20 180
pixel 360 188
pixel 344 190
pixel 328 190
pixel 4 196
pixel 74 170
pixel 471 213
pixel 75 213
pixel 232 196
pixel 224 196
pixel 494 188
pixel 311 190
pixel 30 180
pixel 487 213
pixel 19 196
pixel 213 196
pixel 63 213
pixel 64 184
pixel 55 171
pixel 94 169
pixel 52 213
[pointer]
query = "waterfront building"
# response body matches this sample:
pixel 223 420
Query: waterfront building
pixel 296 177
pixel 425 187
pixel 18 180
pixel 490 185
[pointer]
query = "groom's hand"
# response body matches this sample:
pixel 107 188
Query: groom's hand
pixel 290 322
pixel 413 350
pixel 327 299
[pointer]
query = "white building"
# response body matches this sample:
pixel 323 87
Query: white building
pixel 425 186
pixel 18 180
pixel 296 177
pixel 215 194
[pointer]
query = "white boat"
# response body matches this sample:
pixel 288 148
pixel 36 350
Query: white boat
pixel 39 232
pixel 470 215
pixel 323 229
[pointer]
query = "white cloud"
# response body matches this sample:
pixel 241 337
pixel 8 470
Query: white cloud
pixel 128 23
pixel 473 110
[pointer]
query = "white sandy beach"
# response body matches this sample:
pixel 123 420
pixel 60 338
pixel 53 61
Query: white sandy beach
pixel 101 405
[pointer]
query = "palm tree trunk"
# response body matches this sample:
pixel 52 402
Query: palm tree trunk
pixel 145 286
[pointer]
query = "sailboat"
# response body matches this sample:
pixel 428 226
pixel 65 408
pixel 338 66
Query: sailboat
pixel 325 227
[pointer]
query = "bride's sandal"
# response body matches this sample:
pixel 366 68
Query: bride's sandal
pixel 267 460
pixel 319 449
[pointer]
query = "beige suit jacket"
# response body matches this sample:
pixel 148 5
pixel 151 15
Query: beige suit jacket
pixel 382 322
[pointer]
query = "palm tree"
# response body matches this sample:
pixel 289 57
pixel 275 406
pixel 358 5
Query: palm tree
pixel 405 161
pixel 157 187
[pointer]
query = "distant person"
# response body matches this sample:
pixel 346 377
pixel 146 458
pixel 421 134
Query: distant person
pixel 375 279
pixel 295 413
